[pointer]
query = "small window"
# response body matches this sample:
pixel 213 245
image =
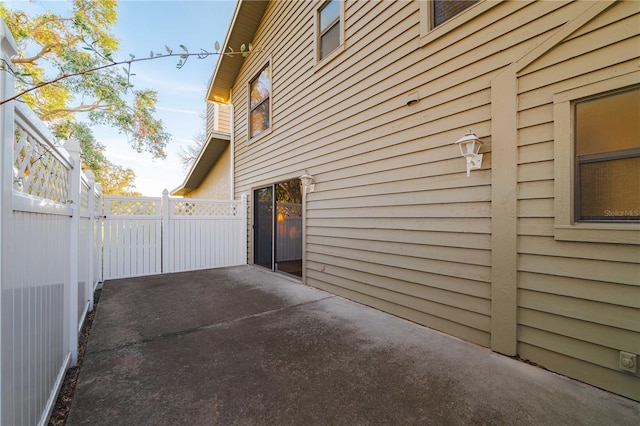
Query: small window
pixel 443 10
pixel 607 158
pixel 260 103
pixel 329 28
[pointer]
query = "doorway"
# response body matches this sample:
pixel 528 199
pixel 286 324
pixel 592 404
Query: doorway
pixel 277 227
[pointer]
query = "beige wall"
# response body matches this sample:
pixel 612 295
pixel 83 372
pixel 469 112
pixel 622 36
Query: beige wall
pixel 579 301
pixel 394 222
pixel 216 185
pixel 218 118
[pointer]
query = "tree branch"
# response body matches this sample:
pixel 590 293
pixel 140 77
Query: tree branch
pixel 68 111
pixel 34 58
pixel 182 56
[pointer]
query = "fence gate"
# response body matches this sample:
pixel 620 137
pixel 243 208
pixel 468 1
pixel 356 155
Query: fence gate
pixel 149 235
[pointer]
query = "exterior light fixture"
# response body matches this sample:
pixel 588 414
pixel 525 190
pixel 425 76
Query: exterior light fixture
pixel 307 182
pixel 469 147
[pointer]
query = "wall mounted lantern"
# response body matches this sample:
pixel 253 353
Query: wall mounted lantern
pixel 469 147
pixel 307 183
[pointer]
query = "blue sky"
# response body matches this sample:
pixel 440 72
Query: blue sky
pixel 149 25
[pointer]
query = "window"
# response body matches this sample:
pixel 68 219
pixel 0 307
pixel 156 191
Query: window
pixel 440 17
pixel 595 132
pixel 329 28
pixel 607 157
pixel 443 10
pixel 260 103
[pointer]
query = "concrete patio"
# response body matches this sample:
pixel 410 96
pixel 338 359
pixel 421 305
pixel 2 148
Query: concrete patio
pixel 242 345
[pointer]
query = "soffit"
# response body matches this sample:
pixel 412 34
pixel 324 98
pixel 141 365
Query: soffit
pixel 244 25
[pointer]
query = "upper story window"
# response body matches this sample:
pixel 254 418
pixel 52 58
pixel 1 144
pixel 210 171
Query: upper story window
pixel 443 10
pixel 329 28
pixel 440 17
pixel 260 103
pixel 607 157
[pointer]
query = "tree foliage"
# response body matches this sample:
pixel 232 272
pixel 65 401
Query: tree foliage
pixel 52 46
pixel 65 66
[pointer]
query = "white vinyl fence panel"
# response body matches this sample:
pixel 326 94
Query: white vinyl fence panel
pixel 204 234
pixel 148 236
pixel 132 237
pixel 47 229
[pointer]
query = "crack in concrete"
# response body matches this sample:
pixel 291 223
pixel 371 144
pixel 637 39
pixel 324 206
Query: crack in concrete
pixel 207 326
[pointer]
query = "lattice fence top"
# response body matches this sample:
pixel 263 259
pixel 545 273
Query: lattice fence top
pixel 37 170
pixel 132 206
pixel 204 208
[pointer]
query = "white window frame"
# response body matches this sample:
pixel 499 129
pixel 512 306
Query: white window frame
pixel 429 33
pixel 341 47
pixel 565 227
pixel 265 132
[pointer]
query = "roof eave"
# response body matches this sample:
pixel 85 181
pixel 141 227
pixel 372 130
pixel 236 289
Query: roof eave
pixel 207 158
pixel 245 22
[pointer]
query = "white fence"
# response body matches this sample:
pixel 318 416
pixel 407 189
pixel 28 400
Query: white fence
pixel 50 255
pixel 148 235
pixel 51 230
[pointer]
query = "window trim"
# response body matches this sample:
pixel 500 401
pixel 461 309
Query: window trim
pixel 265 132
pixel 566 228
pixel 317 33
pixel 429 33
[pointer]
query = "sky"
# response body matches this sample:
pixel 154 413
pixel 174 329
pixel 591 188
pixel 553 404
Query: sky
pixel 149 25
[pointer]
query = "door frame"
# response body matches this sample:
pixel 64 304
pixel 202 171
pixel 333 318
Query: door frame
pixel 274 237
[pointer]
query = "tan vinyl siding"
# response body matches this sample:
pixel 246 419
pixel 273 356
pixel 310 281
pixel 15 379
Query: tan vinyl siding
pixel 579 303
pixel 394 222
pixel 224 119
pixel 394 178
pixel 216 185
pixel 218 118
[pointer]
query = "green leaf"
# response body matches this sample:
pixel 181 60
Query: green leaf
pixel 250 47
pixel 151 55
pixel 217 46
pixel 184 48
pixel 168 49
pixel 132 56
pixel 243 48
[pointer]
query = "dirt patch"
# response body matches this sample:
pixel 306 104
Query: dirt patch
pixel 63 403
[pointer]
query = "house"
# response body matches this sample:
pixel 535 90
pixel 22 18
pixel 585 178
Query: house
pixel 531 251
pixel 209 175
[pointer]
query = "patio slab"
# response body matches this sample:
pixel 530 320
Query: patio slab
pixel 244 346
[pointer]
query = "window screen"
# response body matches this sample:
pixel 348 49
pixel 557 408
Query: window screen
pixel 329 22
pixel 260 100
pixel 443 10
pixel 607 161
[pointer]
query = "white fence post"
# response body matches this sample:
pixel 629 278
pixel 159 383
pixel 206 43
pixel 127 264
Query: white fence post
pixel 98 276
pixel 7 89
pixel 71 312
pixel 91 237
pixel 243 245
pixel 165 231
